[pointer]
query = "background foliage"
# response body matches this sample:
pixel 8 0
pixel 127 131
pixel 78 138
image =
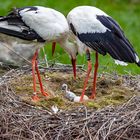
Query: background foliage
pixel 126 12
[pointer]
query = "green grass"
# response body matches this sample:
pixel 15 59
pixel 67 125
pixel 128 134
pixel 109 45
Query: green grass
pixel 126 12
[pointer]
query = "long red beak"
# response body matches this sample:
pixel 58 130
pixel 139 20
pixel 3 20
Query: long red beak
pixel 73 61
pixel 53 47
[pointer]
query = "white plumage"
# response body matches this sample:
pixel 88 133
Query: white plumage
pixel 68 94
pixel 78 98
pixel 48 23
pixel 37 25
pixel 80 16
pixel 120 63
pixel 96 30
pixel 51 26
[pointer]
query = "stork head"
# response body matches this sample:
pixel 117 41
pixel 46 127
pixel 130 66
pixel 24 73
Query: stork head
pixel 64 87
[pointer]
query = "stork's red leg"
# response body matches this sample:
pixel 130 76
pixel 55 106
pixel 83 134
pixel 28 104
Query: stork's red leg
pixel 39 79
pixel 88 74
pixel 35 96
pixel 53 47
pixel 95 76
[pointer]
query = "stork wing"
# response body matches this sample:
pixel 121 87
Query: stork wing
pixel 113 41
pixel 13 25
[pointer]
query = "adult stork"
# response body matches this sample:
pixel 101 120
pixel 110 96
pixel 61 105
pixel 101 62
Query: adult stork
pixel 97 31
pixel 38 25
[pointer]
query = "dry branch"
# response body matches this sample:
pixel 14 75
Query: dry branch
pixel 21 121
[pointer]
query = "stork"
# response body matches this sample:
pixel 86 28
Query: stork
pixel 95 30
pixel 37 25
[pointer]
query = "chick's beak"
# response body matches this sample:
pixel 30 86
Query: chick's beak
pixel 73 61
pixel 63 88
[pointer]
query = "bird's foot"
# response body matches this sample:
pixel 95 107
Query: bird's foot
pixel 74 79
pixel 84 98
pixel 92 96
pixel 35 97
pixel 45 93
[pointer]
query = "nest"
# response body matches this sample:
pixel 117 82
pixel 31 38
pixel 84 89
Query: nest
pixel 22 121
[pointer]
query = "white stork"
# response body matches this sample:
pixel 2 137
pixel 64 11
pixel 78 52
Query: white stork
pixel 38 25
pixel 95 30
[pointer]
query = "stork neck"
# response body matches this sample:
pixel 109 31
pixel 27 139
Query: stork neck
pixel 65 43
pixel 69 47
pixel 66 88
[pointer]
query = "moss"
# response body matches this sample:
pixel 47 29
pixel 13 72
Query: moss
pixel 110 101
pixel 93 104
pixel 109 92
pixel 118 97
pixel 24 89
pixel 50 102
pixel 23 85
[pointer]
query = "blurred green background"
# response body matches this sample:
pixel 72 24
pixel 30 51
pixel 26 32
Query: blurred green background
pixel 126 12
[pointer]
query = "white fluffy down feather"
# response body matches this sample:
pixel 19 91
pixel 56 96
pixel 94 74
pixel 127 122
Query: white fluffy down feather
pixel 72 96
pixel 77 98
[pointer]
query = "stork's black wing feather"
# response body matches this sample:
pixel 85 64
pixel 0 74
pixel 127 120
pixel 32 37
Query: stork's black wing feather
pixel 26 35
pixel 23 31
pixel 13 18
pixel 113 41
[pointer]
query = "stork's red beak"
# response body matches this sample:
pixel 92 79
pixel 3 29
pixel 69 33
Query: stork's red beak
pixel 73 61
pixel 53 47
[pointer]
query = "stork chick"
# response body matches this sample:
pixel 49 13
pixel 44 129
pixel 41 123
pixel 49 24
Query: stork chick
pixel 71 96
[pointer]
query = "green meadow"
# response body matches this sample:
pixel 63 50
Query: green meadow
pixel 126 12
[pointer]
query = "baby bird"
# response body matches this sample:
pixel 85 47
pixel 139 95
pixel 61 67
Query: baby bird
pixel 71 96
pixel 68 94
